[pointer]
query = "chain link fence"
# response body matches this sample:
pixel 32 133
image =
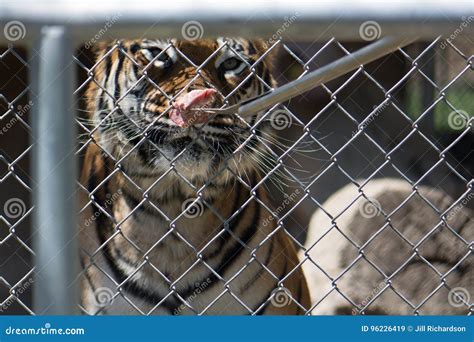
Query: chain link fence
pixel 17 264
pixel 369 177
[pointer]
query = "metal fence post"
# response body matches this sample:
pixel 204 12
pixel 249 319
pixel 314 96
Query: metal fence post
pixel 55 175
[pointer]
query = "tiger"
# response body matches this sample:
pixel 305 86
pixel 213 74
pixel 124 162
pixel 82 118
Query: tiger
pixel 174 218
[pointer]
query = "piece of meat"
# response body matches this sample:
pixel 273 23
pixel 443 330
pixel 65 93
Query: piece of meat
pixel 181 113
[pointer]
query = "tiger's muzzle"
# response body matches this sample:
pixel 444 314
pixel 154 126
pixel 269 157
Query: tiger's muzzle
pixel 183 115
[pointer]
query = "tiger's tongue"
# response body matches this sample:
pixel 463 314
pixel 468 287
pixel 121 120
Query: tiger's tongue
pixel 181 113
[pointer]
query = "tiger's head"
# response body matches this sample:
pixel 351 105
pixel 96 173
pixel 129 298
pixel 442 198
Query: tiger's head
pixel 143 95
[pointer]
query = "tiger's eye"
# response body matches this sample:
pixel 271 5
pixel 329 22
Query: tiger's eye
pixel 157 55
pixel 167 61
pixel 231 64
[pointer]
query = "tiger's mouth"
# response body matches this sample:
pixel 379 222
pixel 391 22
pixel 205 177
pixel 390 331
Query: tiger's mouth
pixel 191 138
pixel 182 113
pixel 215 139
pixel 205 131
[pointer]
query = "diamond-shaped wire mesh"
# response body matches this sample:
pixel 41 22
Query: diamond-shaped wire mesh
pixel 16 265
pixel 292 188
pixel 397 247
pixel 395 135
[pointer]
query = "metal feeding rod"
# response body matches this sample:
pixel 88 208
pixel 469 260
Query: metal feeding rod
pixel 327 73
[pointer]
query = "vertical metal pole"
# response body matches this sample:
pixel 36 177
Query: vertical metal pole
pixel 54 229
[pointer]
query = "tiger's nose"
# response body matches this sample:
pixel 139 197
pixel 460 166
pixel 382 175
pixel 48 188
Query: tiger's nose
pixel 183 115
